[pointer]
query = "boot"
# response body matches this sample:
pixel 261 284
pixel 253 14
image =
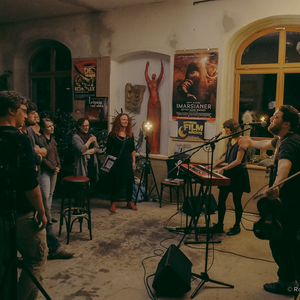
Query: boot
pixel 113 207
pixel 130 205
pixel 236 229
pixel 216 228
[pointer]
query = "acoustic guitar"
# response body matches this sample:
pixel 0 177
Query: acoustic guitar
pixel 268 226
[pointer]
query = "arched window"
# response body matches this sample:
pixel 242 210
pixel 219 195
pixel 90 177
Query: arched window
pixel 267 74
pixel 50 79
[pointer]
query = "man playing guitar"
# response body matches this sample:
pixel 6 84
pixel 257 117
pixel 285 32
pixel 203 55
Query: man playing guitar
pixel 286 248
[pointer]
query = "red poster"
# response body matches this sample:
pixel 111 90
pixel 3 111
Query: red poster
pixel 85 79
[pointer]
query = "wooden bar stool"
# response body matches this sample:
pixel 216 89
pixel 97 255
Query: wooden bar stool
pixel 177 186
pixel 77 188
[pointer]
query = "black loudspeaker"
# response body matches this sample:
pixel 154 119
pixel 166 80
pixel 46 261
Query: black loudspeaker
pixel 173 274
pixel 192 206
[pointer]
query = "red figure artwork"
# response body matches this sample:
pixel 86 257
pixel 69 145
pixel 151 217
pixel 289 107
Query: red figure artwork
pixel 154 108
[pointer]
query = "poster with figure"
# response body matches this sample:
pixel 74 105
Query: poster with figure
pixel 84 79
pixel 195 86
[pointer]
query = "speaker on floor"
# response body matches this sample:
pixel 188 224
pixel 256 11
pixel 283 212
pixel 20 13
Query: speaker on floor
pixel 173 274
pixel 193 207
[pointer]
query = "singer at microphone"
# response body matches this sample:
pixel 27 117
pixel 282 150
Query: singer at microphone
pixel 234 166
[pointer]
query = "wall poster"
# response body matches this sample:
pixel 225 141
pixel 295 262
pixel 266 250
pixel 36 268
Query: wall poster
pixel 195 86
pixel 96 111
pixel 84 79
pixel 191 128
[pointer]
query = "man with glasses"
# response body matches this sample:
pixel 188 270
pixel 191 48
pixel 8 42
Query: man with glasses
pixel 28 209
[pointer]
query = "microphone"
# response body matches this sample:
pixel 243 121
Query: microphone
pixel 262 123
pixel 178 163
pixel 216 136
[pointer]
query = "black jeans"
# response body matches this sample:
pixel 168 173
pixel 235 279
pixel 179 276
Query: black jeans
pixel 237 200
pixel 286 249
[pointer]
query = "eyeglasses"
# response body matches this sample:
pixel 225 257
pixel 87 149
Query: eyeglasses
pixel 85 126
pixel 24 110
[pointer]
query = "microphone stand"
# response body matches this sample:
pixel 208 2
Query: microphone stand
pixel 204 275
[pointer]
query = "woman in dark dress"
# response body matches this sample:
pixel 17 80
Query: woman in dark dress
pixel 122 171
pixel 236 170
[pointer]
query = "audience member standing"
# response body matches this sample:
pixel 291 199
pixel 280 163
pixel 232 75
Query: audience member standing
pixel 122 173
pixel 86 147
pixel 50 166
pixel 30 239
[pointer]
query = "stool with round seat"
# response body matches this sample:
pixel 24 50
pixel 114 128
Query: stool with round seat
pixel 77 188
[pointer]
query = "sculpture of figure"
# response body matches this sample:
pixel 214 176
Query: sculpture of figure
pixel 134 96
pixel 154 108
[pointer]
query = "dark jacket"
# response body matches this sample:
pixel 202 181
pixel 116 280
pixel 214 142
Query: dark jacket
pixel 51 161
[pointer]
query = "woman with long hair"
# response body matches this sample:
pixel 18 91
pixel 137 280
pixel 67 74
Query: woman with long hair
pixel 122 172
pixel 86 147
pixel 236 169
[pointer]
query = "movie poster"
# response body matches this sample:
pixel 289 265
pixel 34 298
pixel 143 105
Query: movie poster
pixel 195 86
pixel 96 111
pixel 191 128
pixel 85 79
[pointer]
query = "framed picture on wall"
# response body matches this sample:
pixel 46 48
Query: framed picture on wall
pixel 84 74
pixel 195 85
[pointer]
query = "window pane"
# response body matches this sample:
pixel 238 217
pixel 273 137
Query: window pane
pixel 258 95
pixel 291 90
pixel 63 61
pixel 42 61
pixel 264 50
pixel 63 94
pixel 41 93
pixel 292 47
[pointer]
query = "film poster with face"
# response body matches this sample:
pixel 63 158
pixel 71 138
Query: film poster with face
pixel 195 86
pixel 84 79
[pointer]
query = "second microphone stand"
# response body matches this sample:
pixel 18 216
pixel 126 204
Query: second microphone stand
pixel 204 275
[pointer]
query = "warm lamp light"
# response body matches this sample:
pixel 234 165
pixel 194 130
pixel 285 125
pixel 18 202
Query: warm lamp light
pixel 147 126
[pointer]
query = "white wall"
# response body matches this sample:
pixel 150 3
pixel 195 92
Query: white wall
pixel 130 69
pixel 160 28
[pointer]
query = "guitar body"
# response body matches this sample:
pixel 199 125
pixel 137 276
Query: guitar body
pixel 268 227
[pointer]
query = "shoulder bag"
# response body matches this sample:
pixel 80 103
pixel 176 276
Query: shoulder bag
pixel 111 160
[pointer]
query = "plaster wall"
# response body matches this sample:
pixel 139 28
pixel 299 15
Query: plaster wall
pixel 131 69
pixel 160 28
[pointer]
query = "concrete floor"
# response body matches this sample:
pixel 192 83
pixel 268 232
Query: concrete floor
pixel 126 248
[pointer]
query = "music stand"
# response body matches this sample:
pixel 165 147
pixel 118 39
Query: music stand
pixel 204 275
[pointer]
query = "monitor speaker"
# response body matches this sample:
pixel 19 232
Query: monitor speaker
pixel 173 274
pixel 193 207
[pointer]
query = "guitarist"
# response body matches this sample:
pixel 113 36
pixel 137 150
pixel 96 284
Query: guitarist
pixel 286 143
